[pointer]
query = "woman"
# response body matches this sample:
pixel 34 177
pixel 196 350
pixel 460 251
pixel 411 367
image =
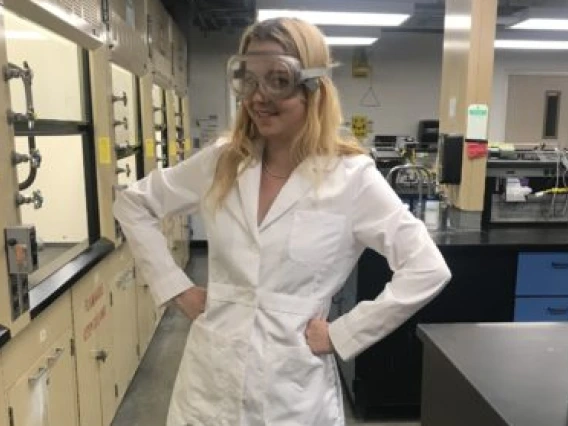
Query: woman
pixel 289 207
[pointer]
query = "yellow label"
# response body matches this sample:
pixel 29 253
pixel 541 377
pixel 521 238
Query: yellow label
pixel 105 156
pixel 149 148
pixel 359 126
pixel 173 148
pixel 187 144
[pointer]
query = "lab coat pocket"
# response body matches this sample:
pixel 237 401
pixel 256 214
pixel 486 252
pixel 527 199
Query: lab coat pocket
pixel 315 237
pixel 211 385
pixel 297 387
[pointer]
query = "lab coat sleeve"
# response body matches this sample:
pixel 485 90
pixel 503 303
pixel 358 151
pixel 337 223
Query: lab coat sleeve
pixel 140 208
pixel 382 222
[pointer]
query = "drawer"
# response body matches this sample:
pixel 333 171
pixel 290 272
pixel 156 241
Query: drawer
pixel 545 309
pixel 542 274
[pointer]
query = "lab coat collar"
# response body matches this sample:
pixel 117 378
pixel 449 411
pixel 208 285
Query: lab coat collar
pixel 299 182
pixel 302 179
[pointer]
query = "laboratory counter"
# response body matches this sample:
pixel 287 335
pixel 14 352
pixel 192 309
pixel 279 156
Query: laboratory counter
pixel 519 239
pixel 52 287
pixel 45 293
pixel 495 374
pixel 498 276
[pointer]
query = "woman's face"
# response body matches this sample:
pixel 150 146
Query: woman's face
pixel 276 120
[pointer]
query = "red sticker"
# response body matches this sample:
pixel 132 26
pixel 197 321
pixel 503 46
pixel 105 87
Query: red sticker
pixel 476 150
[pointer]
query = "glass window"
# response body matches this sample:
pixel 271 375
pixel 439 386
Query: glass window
pixel 54 139
pixel 551 114
pixel 56 66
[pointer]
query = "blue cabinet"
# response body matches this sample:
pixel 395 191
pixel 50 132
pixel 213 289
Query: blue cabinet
pixel 542 287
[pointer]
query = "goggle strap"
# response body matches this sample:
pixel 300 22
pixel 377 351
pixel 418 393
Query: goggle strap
pixel 310 73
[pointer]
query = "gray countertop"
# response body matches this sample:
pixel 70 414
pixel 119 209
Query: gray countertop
pixel 519 238
pixel 520 369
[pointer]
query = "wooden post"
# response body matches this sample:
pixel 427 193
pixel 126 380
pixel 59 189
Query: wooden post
pixel 467 77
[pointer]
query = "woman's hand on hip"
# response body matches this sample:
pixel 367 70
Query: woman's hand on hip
pixel 317 336
pixel 192 302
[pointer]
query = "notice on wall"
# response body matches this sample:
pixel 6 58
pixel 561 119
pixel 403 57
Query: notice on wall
pixel 149 148
pixel 104 151
pixel 360 126
pixel 453 107
pixel 208 128
pixel 477 122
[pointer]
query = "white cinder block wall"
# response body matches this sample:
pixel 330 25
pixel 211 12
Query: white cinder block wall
pixel 407 74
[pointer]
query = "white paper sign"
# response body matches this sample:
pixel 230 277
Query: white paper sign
pixel 477 119
pixel 453 104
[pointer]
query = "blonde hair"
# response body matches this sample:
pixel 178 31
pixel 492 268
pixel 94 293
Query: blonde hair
pixel 319 135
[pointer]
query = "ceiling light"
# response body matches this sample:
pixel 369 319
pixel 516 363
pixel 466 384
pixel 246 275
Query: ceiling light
pixel 542 24
pixel 337 18
pixel 350 41
pixel 532 44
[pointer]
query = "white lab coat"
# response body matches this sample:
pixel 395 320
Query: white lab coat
pixel 246 361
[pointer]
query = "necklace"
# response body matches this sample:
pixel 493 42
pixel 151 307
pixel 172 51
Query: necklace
pixel 269 173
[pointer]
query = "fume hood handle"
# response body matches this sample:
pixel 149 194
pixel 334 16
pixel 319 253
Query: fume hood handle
pixel 26 74
pixel 122 98
pixel 34 159
pixel 123 122
pixel 36 199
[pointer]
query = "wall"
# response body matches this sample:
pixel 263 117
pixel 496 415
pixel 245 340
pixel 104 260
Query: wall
pixel 406 79
pixel 207 75
pixel 519 62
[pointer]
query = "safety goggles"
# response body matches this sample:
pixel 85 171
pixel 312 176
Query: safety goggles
pixel 276 76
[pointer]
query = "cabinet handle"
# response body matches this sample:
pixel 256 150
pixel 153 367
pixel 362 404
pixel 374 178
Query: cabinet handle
pixel 557 311
pixel 52 359
pixel 100 355
pixel 32 380
pixel 559 265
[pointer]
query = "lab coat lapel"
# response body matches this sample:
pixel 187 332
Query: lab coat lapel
pixel 249 187
pixel 295 188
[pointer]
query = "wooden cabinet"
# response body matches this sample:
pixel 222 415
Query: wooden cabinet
pixel 146 313
pixel 62 382
pixel 93 330
pixel 39 368
pixel 124 319
pixel 4 417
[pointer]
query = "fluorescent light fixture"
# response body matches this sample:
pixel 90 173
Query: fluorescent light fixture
pixel 542 24
pixel 24 35
pixel 350 41
pixel 532 44
pixel 360 19
pixel 458 22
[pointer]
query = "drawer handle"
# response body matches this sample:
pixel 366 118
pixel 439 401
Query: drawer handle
pixel 557 311
pixel 32 380
pixel 559 265
pixel 52 359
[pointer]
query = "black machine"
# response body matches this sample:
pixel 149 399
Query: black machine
pixel 428 135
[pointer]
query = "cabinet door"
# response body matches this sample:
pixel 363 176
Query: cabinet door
pixel 62 384
pixel 28 396
pixel 4 420
pixel 125 330
pixel 91 314
pixel 146 313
